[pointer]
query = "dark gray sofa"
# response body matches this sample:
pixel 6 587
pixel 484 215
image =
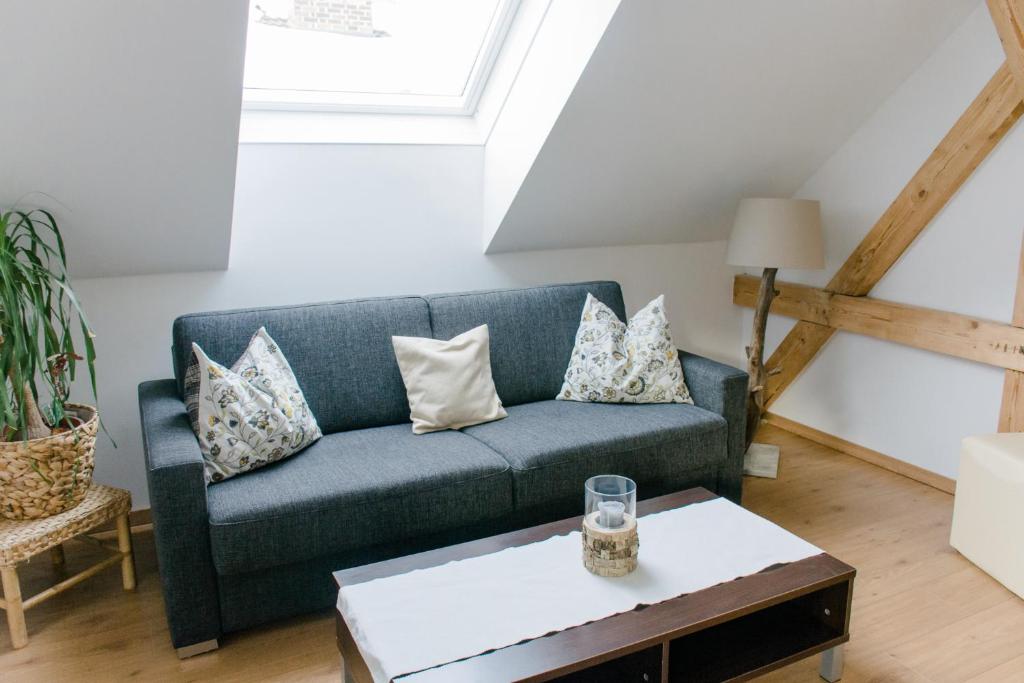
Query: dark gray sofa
pixel 261 546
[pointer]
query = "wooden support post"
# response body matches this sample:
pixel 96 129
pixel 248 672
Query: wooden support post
pixel 1008 17
pixel 14 607
pixel 978 130
pixel 1011 410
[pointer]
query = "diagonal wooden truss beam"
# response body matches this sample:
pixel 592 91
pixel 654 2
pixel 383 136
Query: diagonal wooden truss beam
pixel 978 130
pixel 1008 16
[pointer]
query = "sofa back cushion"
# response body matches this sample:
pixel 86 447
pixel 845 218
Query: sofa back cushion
pixel 532 331
pixel 340 352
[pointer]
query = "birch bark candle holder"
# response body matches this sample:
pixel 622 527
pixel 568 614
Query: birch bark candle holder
pixel 610 541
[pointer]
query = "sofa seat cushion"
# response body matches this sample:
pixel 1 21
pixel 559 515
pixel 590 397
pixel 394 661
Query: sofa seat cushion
pixel 355 489
pixel 554 446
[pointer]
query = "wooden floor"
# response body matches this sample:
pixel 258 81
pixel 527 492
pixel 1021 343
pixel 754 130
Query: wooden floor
pixel 921 612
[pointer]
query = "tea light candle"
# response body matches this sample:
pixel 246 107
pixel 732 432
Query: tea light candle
pixel 610 513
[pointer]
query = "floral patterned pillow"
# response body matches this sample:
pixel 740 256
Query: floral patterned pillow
pixel 617 363
pixel 249 415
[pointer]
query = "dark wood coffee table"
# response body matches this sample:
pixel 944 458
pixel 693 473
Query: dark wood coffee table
pixel 730 632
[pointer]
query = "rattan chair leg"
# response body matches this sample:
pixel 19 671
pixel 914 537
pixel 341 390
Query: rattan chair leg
pixel 57 557
pixel 124 544
pixel 13 606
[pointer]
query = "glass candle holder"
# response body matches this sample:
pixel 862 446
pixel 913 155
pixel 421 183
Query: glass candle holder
pixel 610 501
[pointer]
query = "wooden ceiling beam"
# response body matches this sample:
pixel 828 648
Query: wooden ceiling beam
pixel 978 130
pixel 952 334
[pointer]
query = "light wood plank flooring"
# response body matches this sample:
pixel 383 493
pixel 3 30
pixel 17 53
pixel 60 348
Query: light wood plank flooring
pixel 921 613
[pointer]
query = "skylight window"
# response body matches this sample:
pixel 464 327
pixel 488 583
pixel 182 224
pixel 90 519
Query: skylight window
pixel 412 56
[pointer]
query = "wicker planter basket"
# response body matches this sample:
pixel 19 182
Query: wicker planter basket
pixel 47 476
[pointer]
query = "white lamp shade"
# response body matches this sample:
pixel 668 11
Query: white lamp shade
pixel 777 233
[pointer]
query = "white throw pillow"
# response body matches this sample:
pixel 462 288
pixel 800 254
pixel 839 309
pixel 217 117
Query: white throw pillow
pixel 617 363
pixel 449 383
pixel 249 415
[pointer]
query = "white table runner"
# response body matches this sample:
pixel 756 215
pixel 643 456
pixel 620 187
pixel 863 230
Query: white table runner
pixel 430 617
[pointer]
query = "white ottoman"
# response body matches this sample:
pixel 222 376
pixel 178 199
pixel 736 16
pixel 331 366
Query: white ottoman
pixel 988 513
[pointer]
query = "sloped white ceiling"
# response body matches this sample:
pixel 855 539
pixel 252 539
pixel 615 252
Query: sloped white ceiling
pixel 686 106
pixel 126 113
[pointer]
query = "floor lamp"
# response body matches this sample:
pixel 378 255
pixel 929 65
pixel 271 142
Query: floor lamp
pixel 770 234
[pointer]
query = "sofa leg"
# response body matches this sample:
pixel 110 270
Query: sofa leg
pixel 197 648
pixel 346 673
pixel 730 485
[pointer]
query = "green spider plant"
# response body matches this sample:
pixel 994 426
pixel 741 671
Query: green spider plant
pixel 39 316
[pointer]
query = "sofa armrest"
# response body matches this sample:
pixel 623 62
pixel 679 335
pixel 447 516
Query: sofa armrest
pixel 177 495
pixel 721 389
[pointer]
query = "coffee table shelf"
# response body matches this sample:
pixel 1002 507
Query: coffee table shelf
pixel 737 649
pixel 763 640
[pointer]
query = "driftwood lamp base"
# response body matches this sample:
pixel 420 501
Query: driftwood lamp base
pixel 610 552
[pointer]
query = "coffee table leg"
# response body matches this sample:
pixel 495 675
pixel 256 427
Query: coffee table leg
pixel 832 664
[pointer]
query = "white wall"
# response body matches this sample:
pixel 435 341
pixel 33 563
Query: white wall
pixel 911 404
pixel 329 222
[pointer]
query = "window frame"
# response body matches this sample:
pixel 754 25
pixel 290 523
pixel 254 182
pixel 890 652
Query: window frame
pixel 466 104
